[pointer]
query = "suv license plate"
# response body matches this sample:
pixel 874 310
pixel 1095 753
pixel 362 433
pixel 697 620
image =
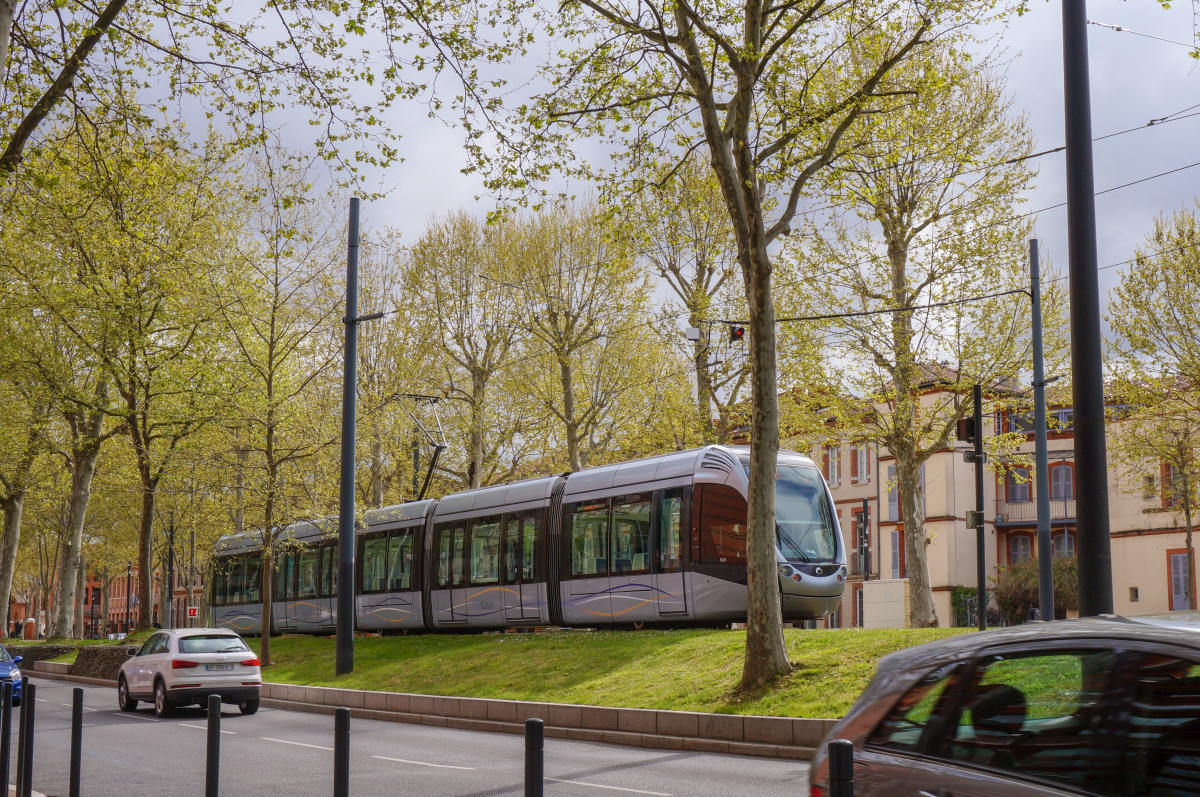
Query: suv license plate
pixel 212 667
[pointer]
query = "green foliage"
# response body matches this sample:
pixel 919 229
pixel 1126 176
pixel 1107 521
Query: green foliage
pixel 1017 588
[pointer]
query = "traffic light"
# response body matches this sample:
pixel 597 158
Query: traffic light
pixel 966 430
pixel 737 334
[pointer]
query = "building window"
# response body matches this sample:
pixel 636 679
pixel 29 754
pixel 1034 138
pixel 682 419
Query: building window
pixel 1062 482
pixel 833 463
pixel 860 464
pixel 1063 544
pixel 1149 488
pixel 1172 486
pixel 1133 594
pixel 1061 420
pixel 893 496
pixel 1017 481
pixel 834 620
pixel 1019 550
pixel 858 608
pixel 897 553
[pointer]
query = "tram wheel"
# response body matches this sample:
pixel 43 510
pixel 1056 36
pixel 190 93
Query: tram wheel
pixel 638 626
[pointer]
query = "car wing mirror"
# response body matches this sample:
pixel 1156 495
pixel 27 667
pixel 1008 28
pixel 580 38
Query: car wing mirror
pixel 131 650
pixel 18 659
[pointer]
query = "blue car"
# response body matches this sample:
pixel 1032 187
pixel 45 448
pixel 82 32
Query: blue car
pixel 10 672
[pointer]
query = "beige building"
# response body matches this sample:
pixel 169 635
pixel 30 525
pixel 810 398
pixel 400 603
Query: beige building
pixel 1148 539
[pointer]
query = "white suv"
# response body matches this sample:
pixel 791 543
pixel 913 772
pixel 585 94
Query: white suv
pixel 186 665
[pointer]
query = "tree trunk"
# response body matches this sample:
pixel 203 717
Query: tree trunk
pixel 145 583
pixel 8 10
pixel 478 416
pixel 83 468
pixel 80 591
pixel 566 376
pixel 703 397
pixel 267 580
pixel 766 650
pixel 377 473
pixel 908 485
pixel 14 505
pixel 239 490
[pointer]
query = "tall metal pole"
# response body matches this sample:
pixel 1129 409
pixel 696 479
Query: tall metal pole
pixel 1041 458
pixel 345 596
pixel 169 598
pixel 1091 455
pixel 981 600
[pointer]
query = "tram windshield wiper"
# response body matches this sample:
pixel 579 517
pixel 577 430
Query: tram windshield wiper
pixel 789 546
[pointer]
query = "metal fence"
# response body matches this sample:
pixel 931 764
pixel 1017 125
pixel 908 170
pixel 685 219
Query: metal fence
pixel 1013 511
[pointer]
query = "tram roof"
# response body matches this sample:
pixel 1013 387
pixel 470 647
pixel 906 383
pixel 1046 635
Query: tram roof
pixel 509 494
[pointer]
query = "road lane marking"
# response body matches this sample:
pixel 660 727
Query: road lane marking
pixel 133 716
pixel 420 763
pixel 72 705
pixel 611 788
pixel 298 744
pixel 202 728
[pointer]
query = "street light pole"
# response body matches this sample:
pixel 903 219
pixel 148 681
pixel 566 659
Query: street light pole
pixel 1091 456
pixel 1042 461
pixel 345 596
pixel 169 598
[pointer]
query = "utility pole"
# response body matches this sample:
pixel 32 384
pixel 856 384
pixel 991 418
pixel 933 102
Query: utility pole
pixel 1094 549
pixel 345 595
pixel 980 561
pixel 169 598
pixel 1042 462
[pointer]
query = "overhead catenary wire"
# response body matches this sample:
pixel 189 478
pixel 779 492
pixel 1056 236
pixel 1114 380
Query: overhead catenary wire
pixel 1120 29
pixel 914 308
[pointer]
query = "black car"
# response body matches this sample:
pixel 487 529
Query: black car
pixel 1107 706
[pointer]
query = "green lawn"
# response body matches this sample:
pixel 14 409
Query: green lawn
pixel 694 670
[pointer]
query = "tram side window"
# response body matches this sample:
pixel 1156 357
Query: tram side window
pixel 512 548
pixel 529 546
pixel 220 582
pixel 723 525
pixel 285 583
pixel 307 587
pixel 589 539
pixel 329 571
pixel 670 531
pixel 253 589
pixel 451 541
pixel 485 551
pixel 400 557
pixel 631 534
pixel 237 574
pixel 374 563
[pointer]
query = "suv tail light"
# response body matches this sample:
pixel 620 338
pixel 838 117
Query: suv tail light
pixel 815 790
pixel 182 664
pixel 250 662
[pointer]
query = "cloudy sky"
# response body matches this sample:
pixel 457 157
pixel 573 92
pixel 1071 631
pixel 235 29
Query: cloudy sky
pixel 1134 79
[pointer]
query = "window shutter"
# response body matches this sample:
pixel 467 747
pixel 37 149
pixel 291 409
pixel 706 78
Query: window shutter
pixel 893 496
pixel 854 464
pixel 825 463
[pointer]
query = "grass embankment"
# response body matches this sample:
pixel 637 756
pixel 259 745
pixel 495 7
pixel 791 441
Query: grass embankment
pixel 694 670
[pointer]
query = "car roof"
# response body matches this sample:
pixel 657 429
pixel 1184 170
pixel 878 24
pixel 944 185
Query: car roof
pixel 182 632
pixel 1181 628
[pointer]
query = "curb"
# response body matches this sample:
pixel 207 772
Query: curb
pixel 79 679
pixel 734 734
pixel 651 740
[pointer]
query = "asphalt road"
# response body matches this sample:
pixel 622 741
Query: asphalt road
pixel 279 753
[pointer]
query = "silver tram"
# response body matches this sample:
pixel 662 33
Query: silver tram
pixel 655 541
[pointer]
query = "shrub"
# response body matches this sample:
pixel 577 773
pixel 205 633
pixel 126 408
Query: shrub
pixel 1017 588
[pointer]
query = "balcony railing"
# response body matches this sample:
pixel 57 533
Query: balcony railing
pixel 859 563
pixel 1019 511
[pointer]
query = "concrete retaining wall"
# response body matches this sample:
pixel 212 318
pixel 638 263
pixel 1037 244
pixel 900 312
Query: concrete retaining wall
pixel 776 737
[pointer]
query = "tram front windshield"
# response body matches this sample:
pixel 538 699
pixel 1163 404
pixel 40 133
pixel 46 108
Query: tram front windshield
pixel 803 523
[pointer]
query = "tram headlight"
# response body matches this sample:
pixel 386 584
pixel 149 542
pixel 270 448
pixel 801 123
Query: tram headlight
pixel 785 571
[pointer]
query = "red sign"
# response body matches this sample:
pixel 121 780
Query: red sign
pixel 193 611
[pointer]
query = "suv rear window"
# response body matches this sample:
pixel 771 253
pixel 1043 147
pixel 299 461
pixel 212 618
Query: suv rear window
pixel 212 643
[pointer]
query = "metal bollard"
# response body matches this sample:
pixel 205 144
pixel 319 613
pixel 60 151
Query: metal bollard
pixel 76 740
pixel 28 704
pixel 21 736
pixel 212 772
pixel 341 752
pixel 5 731
pixel 535 744
pixel 841 768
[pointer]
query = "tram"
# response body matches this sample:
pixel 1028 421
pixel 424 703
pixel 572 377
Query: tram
pixel 655 541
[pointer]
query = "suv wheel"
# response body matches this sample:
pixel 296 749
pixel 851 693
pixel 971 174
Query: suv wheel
pixel 249 706
pixel 126 702
pixel 162 706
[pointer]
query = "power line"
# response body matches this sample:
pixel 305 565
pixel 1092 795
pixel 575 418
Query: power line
pixel 831 316
pixel 1119 29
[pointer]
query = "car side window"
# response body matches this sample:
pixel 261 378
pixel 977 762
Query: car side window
pixel 1034 715
pixel 1162 740
pixel 908 720
pixel 148 646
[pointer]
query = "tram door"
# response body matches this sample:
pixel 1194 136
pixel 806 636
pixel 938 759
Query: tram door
pixel 521 601
pixel 671 542
pixel 285 591
pixel 450 589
